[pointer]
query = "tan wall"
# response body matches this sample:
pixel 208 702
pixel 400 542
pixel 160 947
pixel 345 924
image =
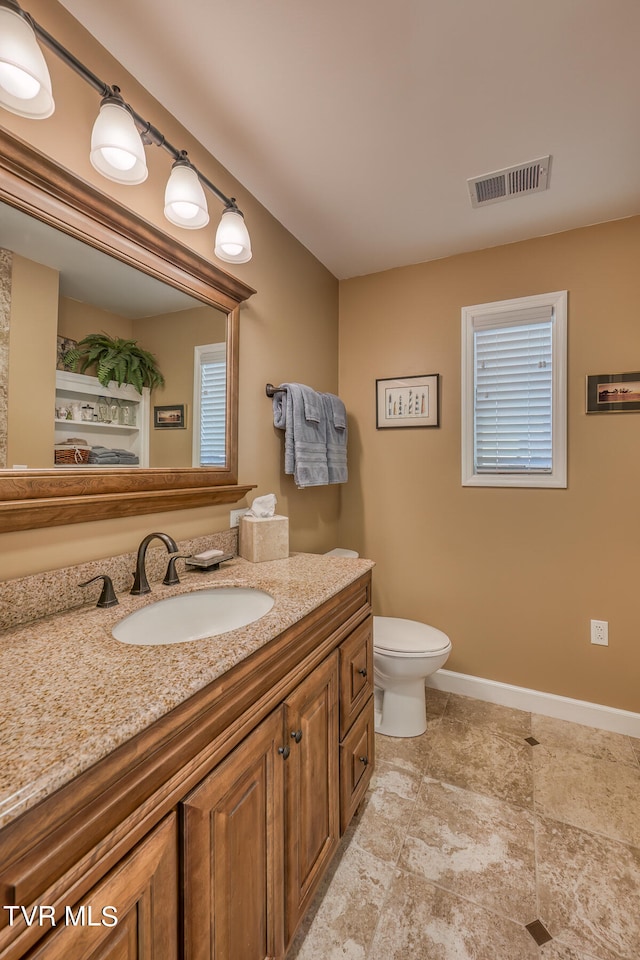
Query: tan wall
pixel 289 330
pixel 32 364
pixel 513 576
pixel 77 320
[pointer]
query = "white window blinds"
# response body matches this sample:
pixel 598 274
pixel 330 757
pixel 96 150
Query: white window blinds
pixel 210 402
pixel 513 393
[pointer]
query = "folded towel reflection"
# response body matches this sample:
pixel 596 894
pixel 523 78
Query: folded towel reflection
pixel 315 427
pixel 105 456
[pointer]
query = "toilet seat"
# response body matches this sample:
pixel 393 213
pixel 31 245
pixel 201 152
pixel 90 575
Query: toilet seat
pixel 407 638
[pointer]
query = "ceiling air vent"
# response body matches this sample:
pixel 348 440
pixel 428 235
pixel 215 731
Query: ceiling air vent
pixel 529 177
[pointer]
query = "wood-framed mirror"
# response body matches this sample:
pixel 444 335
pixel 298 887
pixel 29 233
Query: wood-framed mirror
pixel 40 495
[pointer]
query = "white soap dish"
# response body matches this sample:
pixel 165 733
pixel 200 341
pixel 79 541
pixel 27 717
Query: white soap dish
pixel 202 561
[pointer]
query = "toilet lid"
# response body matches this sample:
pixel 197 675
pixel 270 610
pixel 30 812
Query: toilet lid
pixel 407 637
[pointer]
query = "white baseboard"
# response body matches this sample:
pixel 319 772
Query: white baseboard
pixel 536 701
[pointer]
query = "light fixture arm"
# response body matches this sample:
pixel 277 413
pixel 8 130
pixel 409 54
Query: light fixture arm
pixel 149 133
pixel 152 135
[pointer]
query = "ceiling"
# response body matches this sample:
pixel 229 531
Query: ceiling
pixel 357 123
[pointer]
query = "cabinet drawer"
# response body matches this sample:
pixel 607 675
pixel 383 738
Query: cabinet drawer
pixel 357 758
pixel 356 673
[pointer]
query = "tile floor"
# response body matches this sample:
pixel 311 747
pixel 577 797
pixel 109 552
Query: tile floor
pixel 470 834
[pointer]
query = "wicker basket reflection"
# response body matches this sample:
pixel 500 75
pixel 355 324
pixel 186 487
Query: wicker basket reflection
pixel 71 455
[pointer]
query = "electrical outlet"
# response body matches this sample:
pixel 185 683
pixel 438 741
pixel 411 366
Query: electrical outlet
pixel 600 632
pixel 234 516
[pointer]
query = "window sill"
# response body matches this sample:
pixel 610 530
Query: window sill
pixel 515 480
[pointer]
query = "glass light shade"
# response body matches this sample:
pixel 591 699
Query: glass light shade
pixel 117 151
pixel 232 238
pixel 184 201
pixel 25 84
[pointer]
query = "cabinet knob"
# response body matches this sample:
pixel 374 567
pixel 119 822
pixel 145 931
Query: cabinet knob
pixel 364 760
pixel 284 751
pixel 362 672
pixel 296 735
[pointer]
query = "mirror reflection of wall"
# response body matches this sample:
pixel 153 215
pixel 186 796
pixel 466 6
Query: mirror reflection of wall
pixel 53 286
pixel 31 380
pixel 172 338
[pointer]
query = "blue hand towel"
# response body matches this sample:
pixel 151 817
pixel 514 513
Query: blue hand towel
pixel 300 412
pixel 312 404
pixel 336 410
pixel 336 438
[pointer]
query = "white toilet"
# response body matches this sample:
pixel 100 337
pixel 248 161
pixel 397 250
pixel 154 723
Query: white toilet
pixel 405 653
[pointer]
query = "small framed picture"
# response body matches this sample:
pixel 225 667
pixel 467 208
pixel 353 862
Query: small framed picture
pixel 64 345
pixel 408 402
pixel 170 417
pixel 613 393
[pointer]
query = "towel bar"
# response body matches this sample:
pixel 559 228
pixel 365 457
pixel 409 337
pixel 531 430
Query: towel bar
pixel 271 390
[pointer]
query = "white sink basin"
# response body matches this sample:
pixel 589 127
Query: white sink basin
pixel 192 616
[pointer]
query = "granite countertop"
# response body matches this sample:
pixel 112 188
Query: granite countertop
pixel 71 693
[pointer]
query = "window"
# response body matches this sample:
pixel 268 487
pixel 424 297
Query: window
pixel 209 405
pixel 514 407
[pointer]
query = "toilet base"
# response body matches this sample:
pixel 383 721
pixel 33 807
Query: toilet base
pixel 401 712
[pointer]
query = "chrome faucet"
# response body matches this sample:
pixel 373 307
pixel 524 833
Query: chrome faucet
pixel 140 582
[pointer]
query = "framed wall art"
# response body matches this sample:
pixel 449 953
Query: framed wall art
pixel 408 402
pixel 613 393
pixel 170 417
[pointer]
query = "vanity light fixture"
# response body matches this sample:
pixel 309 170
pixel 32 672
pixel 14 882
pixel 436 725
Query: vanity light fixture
pixel 119 134
pixel 117 151
pixel 25 84
pixel 232 237
pixel 184 201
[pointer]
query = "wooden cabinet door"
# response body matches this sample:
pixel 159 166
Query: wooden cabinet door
pixel 143 889
pixel 233 853
pixel 357 758
pixel 356 673
pixel 312 789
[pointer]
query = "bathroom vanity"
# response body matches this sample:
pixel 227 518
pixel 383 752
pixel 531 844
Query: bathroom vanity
pixel 204 816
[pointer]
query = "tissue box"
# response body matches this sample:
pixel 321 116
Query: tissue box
pixel 263 538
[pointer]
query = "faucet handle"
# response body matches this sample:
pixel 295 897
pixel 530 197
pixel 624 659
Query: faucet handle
pixel 107 597
pixel 171 576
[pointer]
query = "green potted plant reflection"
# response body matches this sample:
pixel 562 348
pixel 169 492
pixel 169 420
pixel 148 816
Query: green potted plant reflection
pixel 115 359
